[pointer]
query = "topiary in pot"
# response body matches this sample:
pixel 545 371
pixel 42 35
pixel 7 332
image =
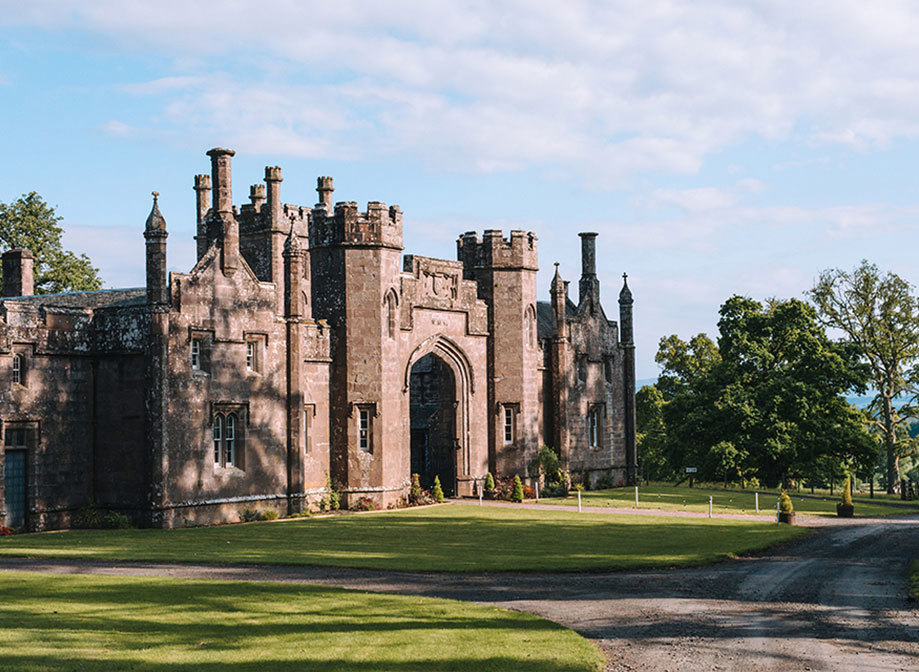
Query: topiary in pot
pixel 786 509
pixel 437 492
pixel 845 508
pixel 489 486
pixel 517 496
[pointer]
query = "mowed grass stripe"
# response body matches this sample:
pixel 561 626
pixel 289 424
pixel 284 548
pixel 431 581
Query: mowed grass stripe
pixel 62 623
pixel 454 538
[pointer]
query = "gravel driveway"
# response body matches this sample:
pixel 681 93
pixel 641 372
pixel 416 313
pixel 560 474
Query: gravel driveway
pixel 833 601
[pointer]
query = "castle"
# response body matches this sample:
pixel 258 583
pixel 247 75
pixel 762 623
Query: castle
pixel 303 348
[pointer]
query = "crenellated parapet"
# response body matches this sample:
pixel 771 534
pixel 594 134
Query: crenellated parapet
pixel 438 284
pixel 493 250
pixel 378 226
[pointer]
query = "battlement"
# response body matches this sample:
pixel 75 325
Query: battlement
pixel 346 225
pixel 495 251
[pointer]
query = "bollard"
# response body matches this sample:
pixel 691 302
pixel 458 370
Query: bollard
pixel 579 501
pixel 636 496
pixel 709 506
pixel 537 492
pixel 757 502
pixel 480 496
pixel 777 518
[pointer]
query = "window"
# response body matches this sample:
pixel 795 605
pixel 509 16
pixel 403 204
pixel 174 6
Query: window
pixel 528 327
pixel 226 453
pixel 365 437
pixel 251 361
pixel 389 313
pixel 17 369
pixel 218 440
pixel 508 425
pixel 196 354
pixel 229 451
pixel 582 368
pixel 594 418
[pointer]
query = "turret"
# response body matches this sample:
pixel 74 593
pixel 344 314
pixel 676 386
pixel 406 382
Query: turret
pixel 155 235
pixel 222 208
pixel 202 196
pixel 625 313
pixel 589 286
pixel 559 292
pixel 18 277
pixel 627 343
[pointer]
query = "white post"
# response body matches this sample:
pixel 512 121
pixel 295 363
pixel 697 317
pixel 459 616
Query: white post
pixel 579 501
pixel 480 492
pixel 757 502
pixel 709 506
pixel 636 496
pixel 777 513
pixel 537 492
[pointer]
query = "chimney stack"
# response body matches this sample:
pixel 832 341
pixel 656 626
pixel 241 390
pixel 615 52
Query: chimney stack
pixel 222 208
pixel 325 189
pixel 257 196
pixel 18 279
pixel 273 180
pixel 589 285
pixel 202 196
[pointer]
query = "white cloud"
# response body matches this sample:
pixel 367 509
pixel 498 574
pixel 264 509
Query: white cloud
pixel 601 92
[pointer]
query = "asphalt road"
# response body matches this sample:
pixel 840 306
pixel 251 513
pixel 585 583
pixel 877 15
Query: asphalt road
pixel 833 601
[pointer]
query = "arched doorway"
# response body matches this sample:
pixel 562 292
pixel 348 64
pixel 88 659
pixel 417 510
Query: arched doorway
pixel 432 410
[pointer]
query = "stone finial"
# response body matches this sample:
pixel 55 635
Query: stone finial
pixel 558 285
pixel 625 295
pixel 155 220
pixel 292 245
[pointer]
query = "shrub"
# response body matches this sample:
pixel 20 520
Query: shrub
pixel 300 514
pixel 785 505
pixel 517 495
pixel 415 493
pixel 550 466
pixel 249 515
pixel 365 504
pixel 88 517
pixel 847 492
pixel 5 531
pixel 116 521
pixel 334 500
pixel 489 481
pixel 437 492
pixel 269 514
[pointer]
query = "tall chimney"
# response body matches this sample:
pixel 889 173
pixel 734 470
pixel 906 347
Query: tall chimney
pixel 222 208
pixel 273 179
pixel 589 286
pixel 202 196
pixel 257 196
pixel 18 279
pixel 325 188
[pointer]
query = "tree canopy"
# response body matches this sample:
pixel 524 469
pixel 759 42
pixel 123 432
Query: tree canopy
pixel 766 402
pixel 31 223
pixel 879 317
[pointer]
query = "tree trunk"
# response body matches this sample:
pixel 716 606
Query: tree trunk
pixel 890 444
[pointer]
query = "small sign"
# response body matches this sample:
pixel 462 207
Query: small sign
pixel 691 470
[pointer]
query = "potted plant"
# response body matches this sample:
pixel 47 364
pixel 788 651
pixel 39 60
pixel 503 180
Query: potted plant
pixel 845 508
pixel 786 509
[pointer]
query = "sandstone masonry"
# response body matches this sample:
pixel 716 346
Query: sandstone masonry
pixel 303 348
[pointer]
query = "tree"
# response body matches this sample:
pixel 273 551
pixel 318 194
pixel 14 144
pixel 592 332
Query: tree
pixel 767 400
pixel 32 224
pixel 651 434
pixel 880 317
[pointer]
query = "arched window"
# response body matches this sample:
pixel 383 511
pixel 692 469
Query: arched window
pixel 390 303
pixel 218 439
pixel 528 326
pixel 17 369
pixel 230 441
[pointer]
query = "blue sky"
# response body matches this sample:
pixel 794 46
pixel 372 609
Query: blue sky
pixel 717 147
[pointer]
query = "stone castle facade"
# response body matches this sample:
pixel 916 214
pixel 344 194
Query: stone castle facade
pixel 304 348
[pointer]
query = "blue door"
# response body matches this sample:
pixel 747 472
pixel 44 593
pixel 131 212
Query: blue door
pixel 15 472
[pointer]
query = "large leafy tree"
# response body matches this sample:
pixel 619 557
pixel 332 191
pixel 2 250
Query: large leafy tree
pixel 879 316
pixel 651 438
pixel 767 400
pixel 31 223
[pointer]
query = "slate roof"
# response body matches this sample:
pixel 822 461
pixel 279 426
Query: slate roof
pixel 103 298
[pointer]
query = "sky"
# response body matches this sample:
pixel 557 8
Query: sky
pixel 718 148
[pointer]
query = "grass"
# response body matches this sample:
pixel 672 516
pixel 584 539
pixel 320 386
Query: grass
pixel 913 591
pixel 683 498
pixel 460 538
pixel 64 623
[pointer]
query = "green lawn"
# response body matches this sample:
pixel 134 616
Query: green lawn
pixel 683 498
pixel 65 623
pixel 463 538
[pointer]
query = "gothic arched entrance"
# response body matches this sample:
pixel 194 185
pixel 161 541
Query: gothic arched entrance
pixel 433 411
